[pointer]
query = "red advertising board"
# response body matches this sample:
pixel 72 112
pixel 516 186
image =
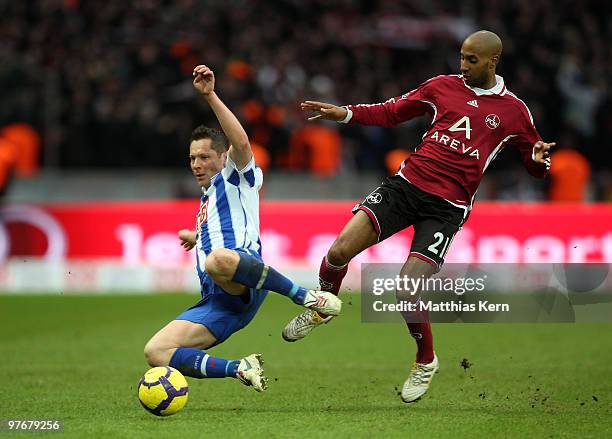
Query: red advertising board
pixel 300 232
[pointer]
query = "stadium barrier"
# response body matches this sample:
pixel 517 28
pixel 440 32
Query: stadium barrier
pixel 133 246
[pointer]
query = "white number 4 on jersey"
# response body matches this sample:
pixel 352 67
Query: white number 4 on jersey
pixel 463 124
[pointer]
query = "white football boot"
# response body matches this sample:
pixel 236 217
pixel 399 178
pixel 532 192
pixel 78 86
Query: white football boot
pixel 323 302
pixel 419 380
pixel 250 372
pixel 303 324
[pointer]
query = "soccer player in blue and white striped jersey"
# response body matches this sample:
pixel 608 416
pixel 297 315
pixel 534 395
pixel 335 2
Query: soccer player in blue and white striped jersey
pixel 233 277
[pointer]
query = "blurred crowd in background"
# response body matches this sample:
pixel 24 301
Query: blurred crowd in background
pixel 108 84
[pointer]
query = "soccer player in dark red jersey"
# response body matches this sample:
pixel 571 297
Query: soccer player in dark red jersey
pixel 474 116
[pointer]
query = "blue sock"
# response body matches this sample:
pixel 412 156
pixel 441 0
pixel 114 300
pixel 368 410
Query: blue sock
pixel 255 274
pixel 198 364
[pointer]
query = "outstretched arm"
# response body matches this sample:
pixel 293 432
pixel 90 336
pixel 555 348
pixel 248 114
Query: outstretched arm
pixel 386 114
pixel 240 149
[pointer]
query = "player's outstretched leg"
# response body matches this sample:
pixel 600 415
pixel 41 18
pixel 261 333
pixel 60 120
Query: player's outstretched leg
pixel 253 273
pixel 356 236
pixel 198 364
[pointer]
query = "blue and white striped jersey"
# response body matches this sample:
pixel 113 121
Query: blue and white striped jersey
pixel 229 212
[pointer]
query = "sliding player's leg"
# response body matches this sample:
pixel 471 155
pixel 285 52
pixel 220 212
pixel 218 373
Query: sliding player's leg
pixel 234 271
pixel 182 343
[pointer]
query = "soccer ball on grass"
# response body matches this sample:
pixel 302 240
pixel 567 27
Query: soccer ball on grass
pixel 163 391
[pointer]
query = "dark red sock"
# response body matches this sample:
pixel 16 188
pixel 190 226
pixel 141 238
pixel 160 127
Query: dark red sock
pixel 330 276
pixel 420 329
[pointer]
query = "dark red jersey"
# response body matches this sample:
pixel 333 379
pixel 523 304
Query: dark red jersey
pixel 470 127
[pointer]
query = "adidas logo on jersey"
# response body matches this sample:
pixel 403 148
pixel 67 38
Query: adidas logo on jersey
pixel 473 103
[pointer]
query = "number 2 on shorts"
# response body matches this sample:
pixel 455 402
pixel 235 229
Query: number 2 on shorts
pixel 439 237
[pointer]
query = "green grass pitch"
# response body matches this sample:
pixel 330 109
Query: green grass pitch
pixel 78 359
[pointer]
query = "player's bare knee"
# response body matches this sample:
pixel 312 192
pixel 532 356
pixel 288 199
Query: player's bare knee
pixel 150 354
pixel 155 355
pixel 221 263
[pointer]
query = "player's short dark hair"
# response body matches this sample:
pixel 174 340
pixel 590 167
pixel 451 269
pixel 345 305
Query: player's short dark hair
pixel 218 140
